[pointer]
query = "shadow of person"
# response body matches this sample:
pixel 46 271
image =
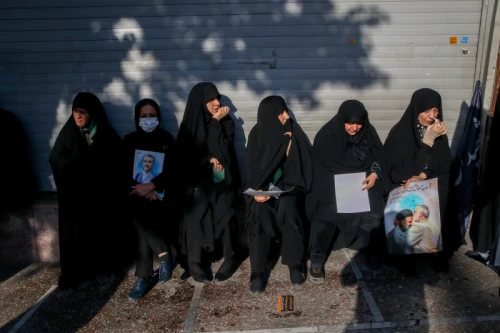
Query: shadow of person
pixel 14 144
pixel 385 293
pixel 70 310
pixel 239 135
pixel 238 229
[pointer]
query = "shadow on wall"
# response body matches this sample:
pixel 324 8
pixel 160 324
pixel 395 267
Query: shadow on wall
pixel 157 50
pixel 239 135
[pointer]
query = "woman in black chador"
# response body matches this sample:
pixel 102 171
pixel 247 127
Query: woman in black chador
pixel 348 143
pixel 209 176
pixel 278 155
pixel 417 148
pixel 150 144
pixel 83 163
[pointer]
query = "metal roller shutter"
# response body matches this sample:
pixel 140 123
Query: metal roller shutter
pixel 315 53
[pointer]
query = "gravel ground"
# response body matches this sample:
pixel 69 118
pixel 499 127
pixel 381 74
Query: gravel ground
pixel 468 289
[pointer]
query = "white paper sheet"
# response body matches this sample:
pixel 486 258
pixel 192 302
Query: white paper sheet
pixel 349 194
pixel 255 193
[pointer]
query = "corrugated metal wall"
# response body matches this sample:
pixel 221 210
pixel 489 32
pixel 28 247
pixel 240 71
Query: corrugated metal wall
pixel 315 53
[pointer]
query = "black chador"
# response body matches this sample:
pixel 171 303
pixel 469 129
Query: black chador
pixel 210 195
pixel 278 154
pixel 408 156
pixel 89 191
pixel 348 143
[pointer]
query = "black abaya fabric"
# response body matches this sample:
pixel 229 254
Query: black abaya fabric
pixel 209 206
pixel 336 152
pixel 89 195
pixel 407 156
pixel 265 154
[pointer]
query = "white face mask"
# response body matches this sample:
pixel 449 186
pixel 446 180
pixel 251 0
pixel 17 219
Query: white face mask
pixel 148 124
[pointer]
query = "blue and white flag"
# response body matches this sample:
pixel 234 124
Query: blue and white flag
pixel 467 160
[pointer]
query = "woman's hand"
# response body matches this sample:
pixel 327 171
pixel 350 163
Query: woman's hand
pixel 153 196
pixel 290 143
pixel 370 181
pixel 414 179
pixel 261 199
pixel 439 128
pixel 221 113
pixel 216 164
pixel 142 190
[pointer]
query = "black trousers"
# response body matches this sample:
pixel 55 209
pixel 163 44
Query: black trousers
pixel 322 237
pixel 265 250
pixel 151 243
pixel 363 231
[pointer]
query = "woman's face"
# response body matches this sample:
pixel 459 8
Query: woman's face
pixel 213 106
pixel 426 118
pixel 81 117
pixel 283 117
pixel 147 111
pixel 353 128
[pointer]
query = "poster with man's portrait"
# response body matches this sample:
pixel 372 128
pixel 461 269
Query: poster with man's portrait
pixel 147 166
pixel 412 219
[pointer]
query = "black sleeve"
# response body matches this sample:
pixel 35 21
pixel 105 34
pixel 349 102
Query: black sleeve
pixel 401 168
pixel 166 180
pixel 219 142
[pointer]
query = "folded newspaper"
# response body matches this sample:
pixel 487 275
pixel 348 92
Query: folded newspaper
pixel 273 191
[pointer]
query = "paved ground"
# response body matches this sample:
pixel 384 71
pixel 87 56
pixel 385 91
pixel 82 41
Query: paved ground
pixel 354 298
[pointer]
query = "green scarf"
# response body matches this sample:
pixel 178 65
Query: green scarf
pixel 277 175
pixel 89 132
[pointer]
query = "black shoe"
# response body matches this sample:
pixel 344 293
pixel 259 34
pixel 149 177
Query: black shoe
pixel 317 272
pixel 298 274
pixel 226 270
pixel 185 275
pixel 200 272
pixel 165 270
pixel 477 256
pixel 140 288
pixel 258 282
pixel 207 268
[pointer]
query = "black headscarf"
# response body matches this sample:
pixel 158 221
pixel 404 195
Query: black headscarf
pixel 138 107
pixel 421 101
pixel 72 138
pixel 93 105
pixel 405 139
pixel 336 152
pixel 267 145
pixel 340 152
pixel 196 146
